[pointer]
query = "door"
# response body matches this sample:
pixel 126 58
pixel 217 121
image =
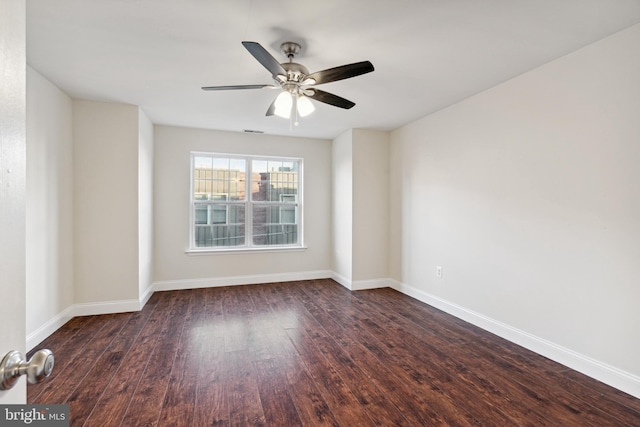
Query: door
pixel 12 186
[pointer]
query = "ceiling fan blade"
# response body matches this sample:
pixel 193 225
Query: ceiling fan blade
pixel 265 58
pixel 331 99
pixel 341 73
pixel 238 87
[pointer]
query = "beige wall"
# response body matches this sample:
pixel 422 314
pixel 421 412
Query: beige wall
pixel 370 205
pixel 89 234
pixel 105 160
pixel 49 217
pixel 173 146
pixel 360 194
pixel 527 196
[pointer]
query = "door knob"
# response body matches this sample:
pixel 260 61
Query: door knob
pixel 36 369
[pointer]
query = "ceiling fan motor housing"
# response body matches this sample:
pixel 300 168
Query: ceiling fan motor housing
pixel 295 72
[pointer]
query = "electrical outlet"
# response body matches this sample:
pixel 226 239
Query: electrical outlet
pixel 439 272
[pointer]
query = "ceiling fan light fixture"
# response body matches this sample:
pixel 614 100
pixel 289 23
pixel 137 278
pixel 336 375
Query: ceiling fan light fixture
pixel 283 104
pixel 305 106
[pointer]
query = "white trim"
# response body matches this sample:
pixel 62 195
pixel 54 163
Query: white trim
pixel 148 292
pixel 360 285
pixel 622 380
pixel 173 285
pixel 49 327
pixel 107 307
pixel 341 279
pixel 245 250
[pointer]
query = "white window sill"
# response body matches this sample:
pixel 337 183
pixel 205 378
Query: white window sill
pixel 228 251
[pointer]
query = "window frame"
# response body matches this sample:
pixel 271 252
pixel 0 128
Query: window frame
pixel 248 204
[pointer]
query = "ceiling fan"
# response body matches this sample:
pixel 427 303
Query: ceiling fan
pixel 296 82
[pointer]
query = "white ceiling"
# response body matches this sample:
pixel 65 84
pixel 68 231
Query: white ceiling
pixel 428 54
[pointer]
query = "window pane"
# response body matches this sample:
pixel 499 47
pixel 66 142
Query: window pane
pixel 219 225
pixel 274 225
pixel 219 176
pixel 270 183
pixel 288 214
pixel 218 214
pixel 200 215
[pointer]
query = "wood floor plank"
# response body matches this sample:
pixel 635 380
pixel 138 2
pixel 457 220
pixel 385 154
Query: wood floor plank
pixel 146 403
pixel 114 402
pixel 88 392
pixel 615 403
pixel 310 353
pixel 445 411
pixel 342 403
pixel 277 403
pixel 371 398
pixel 241 387
pixel 396 386
pixel 83 363
pixel 179 402
pixel 66 347
pixel 211 406
pixel 310 404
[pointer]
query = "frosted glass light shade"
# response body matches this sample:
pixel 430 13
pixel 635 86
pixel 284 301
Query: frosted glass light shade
pixel 283 104
pixel 305 106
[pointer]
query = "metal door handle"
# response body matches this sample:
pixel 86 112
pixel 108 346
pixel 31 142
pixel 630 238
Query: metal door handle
pixel 13 365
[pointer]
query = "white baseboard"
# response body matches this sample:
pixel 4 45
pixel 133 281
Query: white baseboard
pixel 341 279
pixel 360 285
pixel 174 285
pixel 39 335
pixel 106 307
pixel 603 372
pixel 148 292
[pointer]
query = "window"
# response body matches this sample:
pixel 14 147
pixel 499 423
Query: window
pixel 245 202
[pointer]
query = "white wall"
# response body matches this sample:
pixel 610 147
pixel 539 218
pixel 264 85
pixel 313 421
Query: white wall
pixel 145 203
pixel 106 189
pixel 49 205
pixel 174 268
pixel 342 207
pixel 527 196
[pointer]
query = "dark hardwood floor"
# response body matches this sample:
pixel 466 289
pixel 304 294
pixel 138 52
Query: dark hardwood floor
pixel 310 353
